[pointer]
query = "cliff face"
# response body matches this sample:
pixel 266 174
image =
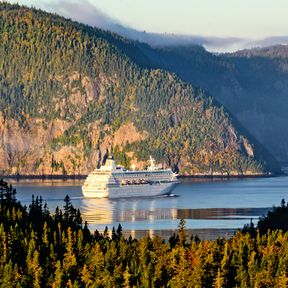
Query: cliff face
pixel 69 96
pixel 27 151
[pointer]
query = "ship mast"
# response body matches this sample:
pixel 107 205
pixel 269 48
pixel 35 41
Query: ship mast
pixel 152 166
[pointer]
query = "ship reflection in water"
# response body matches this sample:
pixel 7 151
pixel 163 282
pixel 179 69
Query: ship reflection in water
pixel 106 211
pixel 136 217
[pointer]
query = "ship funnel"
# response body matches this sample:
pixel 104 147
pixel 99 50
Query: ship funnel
pixel 133 167
pixel 152 166
pixel 109 164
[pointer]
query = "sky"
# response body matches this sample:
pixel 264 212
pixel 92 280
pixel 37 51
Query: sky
pixel 226 24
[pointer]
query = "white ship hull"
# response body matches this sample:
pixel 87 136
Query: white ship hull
pixel 144 190
pixel 111 182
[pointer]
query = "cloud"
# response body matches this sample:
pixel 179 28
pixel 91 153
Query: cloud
pixel 219 44
pixel 85 12
pixel 82 11
pixel 271 41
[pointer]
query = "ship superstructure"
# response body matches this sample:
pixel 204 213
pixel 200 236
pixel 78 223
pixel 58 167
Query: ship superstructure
pixel 116 182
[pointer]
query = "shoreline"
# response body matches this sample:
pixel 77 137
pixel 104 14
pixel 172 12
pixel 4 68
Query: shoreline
pixel 83 176
pixel 205 176
pixel 45 177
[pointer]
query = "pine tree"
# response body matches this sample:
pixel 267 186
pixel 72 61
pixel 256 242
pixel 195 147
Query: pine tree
pixel 181 232
pixel 10 276
pixel 69 261
pixel 58 276
pixel 218 282
pixel 45 234
pixel 86 276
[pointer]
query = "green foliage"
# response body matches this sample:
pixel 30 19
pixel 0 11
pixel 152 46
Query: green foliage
pixel 54 68
pixel 7 193
pixel 41 250
pixel 250 83
pixel 121 157
pixel 276 219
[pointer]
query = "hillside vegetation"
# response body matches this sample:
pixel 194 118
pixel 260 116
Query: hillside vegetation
pixel 41 250
pixel 252 84
pixel 69 93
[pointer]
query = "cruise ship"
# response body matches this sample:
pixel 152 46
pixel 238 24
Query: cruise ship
pixel 111 181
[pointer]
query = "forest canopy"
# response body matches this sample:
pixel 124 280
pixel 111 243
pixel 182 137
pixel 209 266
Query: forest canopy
pixel 80 85
pixel 38 249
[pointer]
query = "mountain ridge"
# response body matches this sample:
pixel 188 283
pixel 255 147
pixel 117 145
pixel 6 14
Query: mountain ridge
pixel 275 51
pixel 251 84
pixel 67 89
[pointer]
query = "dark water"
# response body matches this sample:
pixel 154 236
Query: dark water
pixel 210 208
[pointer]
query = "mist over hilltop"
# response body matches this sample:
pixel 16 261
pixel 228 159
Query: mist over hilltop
pixel 86 12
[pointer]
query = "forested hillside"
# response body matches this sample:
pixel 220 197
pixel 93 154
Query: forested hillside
pixel 69 93
pixel 252 84
pixel 40 250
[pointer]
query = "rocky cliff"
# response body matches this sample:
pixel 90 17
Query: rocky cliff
pixel 27 151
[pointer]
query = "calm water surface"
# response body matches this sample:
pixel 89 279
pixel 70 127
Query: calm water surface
pixel 210 208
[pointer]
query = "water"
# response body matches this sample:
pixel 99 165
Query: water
pixel 210 208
